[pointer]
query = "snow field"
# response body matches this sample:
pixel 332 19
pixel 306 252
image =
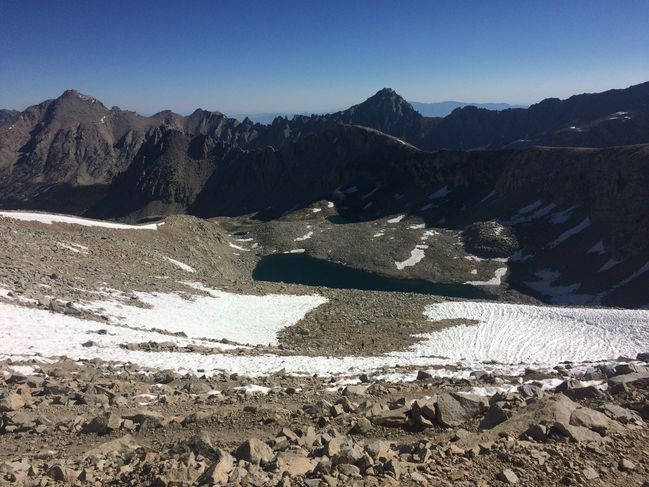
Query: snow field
pixel 515 333
pixel 241 318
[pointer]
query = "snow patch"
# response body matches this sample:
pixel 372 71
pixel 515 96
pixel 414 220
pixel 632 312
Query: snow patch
pixel 416 255
pixel 559 294
pixel 494 281
pixel 237 317
pixel 598 248
pixel 181 265
pixel 304 237
pixel 396 219
pixel 440 193
pixel 571 232
pixel 49 218
pixel 609 265
pixel 72 247
pixel 238 247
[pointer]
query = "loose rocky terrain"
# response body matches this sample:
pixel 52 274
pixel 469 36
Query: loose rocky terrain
pixel 92 423
pixel 349 394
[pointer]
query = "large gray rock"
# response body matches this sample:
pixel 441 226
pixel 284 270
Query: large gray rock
pixel 618 413
pixel 594 420
pixel 455 409
pixel 393 418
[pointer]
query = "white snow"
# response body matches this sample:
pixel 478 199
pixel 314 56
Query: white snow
pixel 416 255
pixel 585 223
pixel 379 234
pixel 429 233
pixel 72 247
pixel 240 318
pixel 182 265
pixel 330 204
pixel 598 248
pixel 367 195
pixel 417 227
pixel 609 265
pixel 565 294
pixel 489 196
pixel 295 251
pixel 510 333
pixel 440 193
pixel 250 389
pixel 530 207
pixel 530 215
pixel 49 218
pixel 562 216
pixel 304 237
pixel 507 339
pixel 494 281
pixel 396 219
pixel 238 247
pixel 316 210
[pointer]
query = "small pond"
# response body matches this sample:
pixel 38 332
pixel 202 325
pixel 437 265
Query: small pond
pixel 308 271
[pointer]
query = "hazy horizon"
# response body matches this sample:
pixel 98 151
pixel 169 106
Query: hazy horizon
pixel 291 57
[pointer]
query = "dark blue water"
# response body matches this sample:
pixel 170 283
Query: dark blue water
pixel 308 271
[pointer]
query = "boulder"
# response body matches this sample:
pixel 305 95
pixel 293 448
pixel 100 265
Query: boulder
pixel 618 413
pixel 10 401
pixel 295 465
pixel 495 415
pixel 63 474
pixel 509 477
pixel 217 472
pixel 398 418
pixel 593 420
pixel 119 447
pixel 355 391
pixel 455 409
pixel 198 445
pixel 255 451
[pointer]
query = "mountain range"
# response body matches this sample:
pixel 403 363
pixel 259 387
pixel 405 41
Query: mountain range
pixel 582 156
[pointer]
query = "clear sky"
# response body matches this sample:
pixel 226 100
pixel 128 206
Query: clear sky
pixel 273 55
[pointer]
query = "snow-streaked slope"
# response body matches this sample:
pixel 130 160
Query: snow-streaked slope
pixel 49 218
pixel 511 333
pixel 241 318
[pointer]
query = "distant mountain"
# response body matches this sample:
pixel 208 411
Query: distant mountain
pixel 7 114
pixel 436 109
pixel 55 152
pixel 443 108
pixel 268 117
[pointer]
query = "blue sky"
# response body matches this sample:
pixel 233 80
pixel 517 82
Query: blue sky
pixel 272 55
